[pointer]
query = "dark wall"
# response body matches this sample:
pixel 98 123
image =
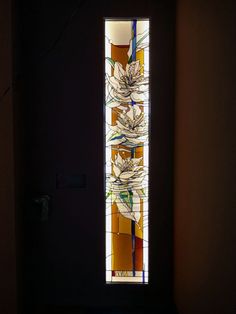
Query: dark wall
pixel 7 210
pixel 205 258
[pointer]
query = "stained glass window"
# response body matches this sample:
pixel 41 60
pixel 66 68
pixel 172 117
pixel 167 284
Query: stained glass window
pixel 126 149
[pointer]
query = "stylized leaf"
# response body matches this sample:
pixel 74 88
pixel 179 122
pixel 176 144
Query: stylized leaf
pixel 108 194
pixel 110 61
pixel 139 44
pixel 116 136
pixel 129 205
pixel 124 196
pixel 144 35
pixel 141 193
pixel 127 198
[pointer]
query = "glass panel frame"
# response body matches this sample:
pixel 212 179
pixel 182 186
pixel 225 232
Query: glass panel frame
pixel 127 125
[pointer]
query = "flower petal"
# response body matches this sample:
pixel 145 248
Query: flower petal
pixel 130 113
pixel 136 161
pixel 126 175
pixel 137 96
pixel 114 82
pixel 119 160
pixel 116 170
pixel 118 70
pixel 133 140
pixel 112 103
pixel 137 110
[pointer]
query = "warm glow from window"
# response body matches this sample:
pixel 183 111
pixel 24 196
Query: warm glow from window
pixel 127 149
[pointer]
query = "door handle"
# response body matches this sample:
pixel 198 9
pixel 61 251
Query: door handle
pixel 43 203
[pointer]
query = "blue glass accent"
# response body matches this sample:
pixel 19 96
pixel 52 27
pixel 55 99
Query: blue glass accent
pixel 134 31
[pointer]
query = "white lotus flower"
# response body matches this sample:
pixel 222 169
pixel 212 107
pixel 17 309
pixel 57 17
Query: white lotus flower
pixel 126 186
pixel 131 128
pixel 126 85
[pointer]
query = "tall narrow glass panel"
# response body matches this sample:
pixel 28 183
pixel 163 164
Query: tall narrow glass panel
pixel 127 149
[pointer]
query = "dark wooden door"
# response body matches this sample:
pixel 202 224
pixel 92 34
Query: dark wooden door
pixel 60 69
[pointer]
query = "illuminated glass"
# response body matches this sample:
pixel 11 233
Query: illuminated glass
pixel 127 149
